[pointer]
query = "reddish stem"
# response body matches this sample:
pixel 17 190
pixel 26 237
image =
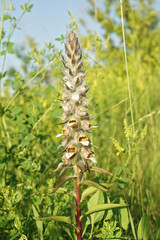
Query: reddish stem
pixel 79 221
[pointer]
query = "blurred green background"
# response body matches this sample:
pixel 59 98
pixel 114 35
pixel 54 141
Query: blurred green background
pixel 128 137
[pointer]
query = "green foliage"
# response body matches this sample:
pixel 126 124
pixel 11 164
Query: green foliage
pixel 28 126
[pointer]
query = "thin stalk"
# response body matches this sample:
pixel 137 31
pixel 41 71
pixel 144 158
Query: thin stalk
pixel 79 221
pixel 11 33
pixel 126 65
pixel 1 30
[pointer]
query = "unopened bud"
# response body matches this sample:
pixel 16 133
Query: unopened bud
pixel 85 102
pixel 65 141
pixel 66 96
pixel 81 89
pixel 65 160
pixel 82 112
pixel 86 153
pixel 68 107
pixel 66 131
pixel 64 116
pixel 75 97
pixel 86 125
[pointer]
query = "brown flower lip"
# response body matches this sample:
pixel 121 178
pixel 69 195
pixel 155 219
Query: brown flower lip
pixel 73 122
pixel 83 139
pixel 72 148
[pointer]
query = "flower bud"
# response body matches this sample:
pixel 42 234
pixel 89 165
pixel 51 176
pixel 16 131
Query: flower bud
pixel 81 89
pixel 65 141
pixel 85 102
pixel 65 160
pixel 66 96
pixel 68 107
pixel 82 112
pixel 66 131
pixel 75 97
pixel 64 116
pixel 86 125
pixel 86 153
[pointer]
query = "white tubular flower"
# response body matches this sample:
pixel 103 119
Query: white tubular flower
pixel 75 105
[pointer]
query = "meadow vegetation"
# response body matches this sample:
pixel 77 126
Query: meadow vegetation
pixel 124 86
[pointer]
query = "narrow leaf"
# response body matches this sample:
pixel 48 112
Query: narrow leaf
pixel 101 170
pixel 124 216
pixel 38 223
pixel 60 182
pixel 132 225
pixel 94 184
pixel 55 218
pixel 102 207
pixel 87 192
pixel 109 212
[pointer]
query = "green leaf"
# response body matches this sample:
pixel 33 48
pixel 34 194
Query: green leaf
pixel 110 212
pixel 101 170
pixel 102 207
pixel 55 218
pixel 87 192
pixel 65 191
pixel 30 8
pixel 3 174
pixel 61 181
pixel 27 139
pixel 143 228
pixel 124 216
pixel 132 225
pixel 38 223
pixel 71 234
pixel 97 198
pixel 10 47
pixel 94 184
pixel 6 17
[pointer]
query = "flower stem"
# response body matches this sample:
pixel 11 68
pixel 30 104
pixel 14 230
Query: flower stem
pixel 79 221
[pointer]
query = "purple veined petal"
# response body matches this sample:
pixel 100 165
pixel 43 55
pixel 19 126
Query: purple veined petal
pixel 93 159
pixel 85 143
pixel 59 135
pixel 69 155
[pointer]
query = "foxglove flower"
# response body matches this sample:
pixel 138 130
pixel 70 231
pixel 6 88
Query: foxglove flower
pixel 75 105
